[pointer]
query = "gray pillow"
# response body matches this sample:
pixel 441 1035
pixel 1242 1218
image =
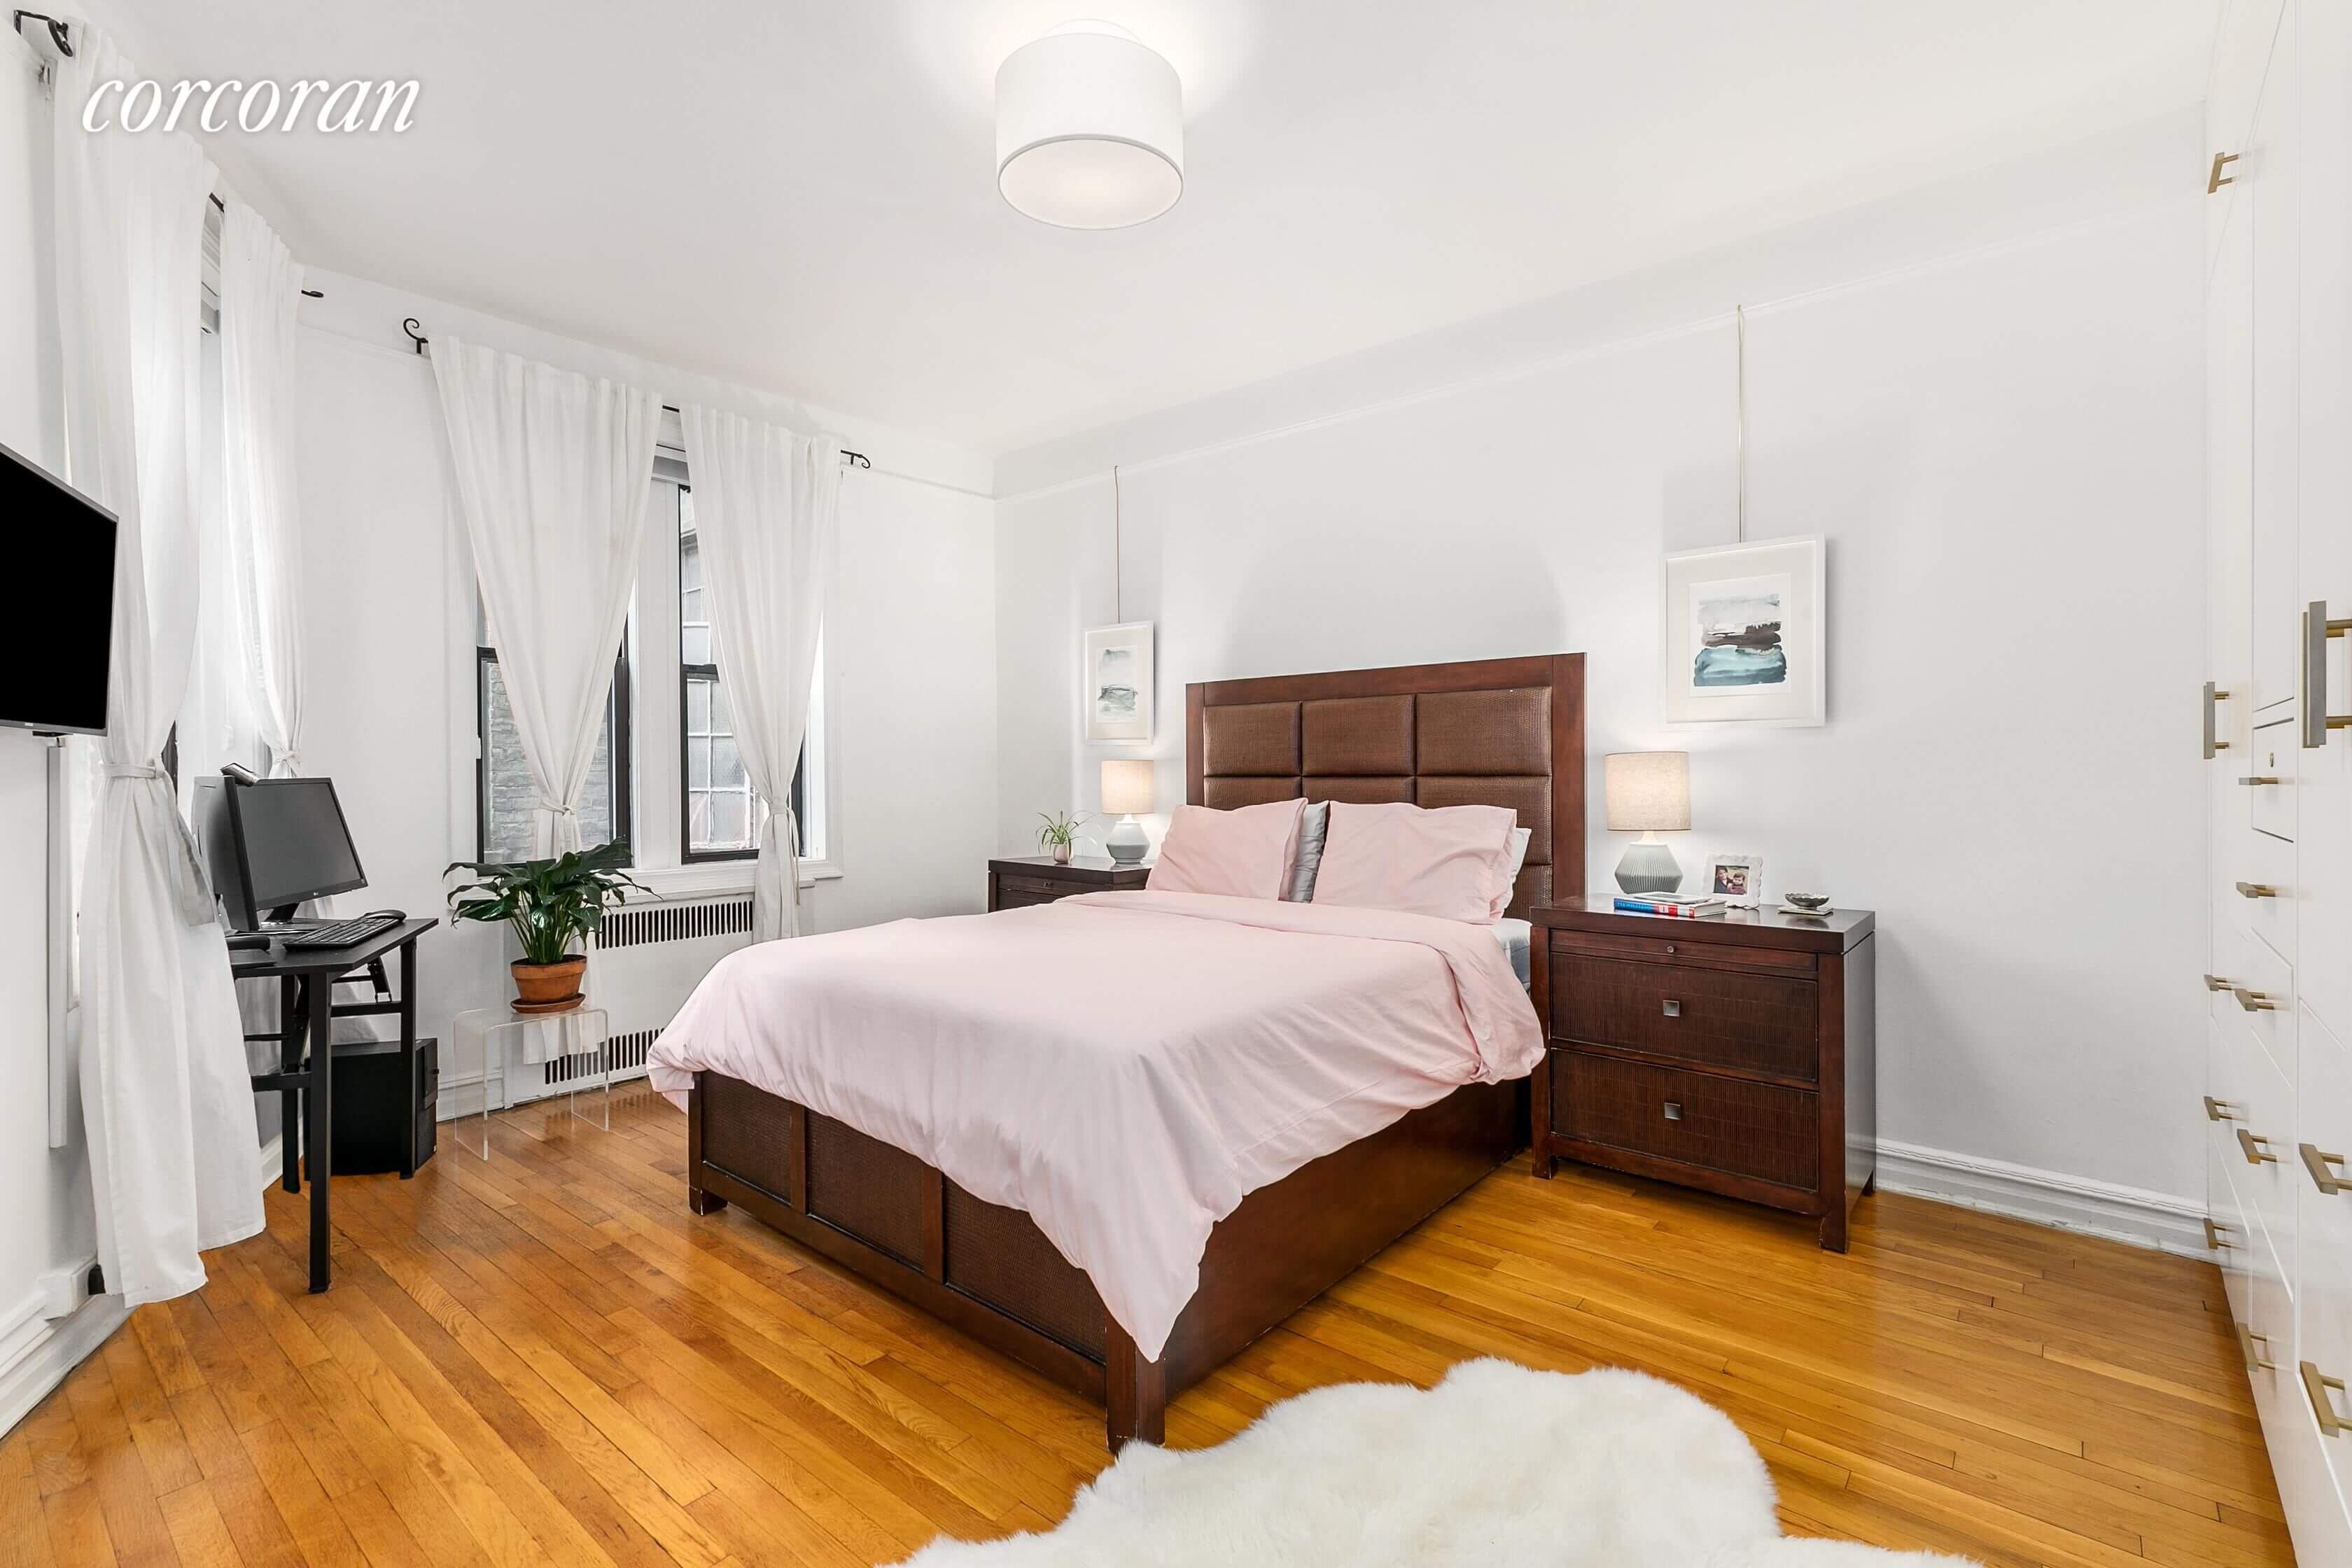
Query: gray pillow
pixel 1313 824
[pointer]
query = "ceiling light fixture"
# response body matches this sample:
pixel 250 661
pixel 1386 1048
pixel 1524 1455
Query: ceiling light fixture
pixel 1090 129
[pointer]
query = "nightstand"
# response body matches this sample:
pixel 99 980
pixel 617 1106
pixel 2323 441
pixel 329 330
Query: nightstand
pixel 1024 879
pixel 1734 1053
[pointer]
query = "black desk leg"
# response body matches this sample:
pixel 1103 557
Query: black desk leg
pixel 408 1054
pixel 289 1101
pixel 317 1140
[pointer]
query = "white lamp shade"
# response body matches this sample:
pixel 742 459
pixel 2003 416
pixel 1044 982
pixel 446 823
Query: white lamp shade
pixel 1648 791
pixel 1090 129
pixel 1126 786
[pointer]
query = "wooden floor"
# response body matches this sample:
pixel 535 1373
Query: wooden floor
pixel 545 1360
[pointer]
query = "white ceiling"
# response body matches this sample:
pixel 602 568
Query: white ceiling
pixel 797 194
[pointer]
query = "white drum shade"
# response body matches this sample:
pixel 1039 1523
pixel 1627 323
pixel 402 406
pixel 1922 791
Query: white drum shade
pixel 1090 129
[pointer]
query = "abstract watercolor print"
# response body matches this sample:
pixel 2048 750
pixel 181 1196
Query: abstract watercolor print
pixel 1734 634
pixel 1117 682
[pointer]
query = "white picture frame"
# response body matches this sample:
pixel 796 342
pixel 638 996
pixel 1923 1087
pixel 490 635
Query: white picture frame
pixel 1736 879
pixel 1115 682
pixel 1745 634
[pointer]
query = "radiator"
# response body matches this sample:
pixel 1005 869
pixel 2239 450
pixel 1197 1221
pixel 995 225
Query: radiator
pixel 642 962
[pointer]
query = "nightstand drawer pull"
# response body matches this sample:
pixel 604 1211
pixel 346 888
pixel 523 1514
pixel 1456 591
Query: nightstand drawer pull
pixel 1672 1009
pixel 2257 1148
pixel 2213 1237
pixel 1673 1111
pixel 2318 1163
pixel 2219 1110
pixel 2316 1384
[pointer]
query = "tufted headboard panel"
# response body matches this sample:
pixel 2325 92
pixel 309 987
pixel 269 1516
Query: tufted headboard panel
pixel 1492 731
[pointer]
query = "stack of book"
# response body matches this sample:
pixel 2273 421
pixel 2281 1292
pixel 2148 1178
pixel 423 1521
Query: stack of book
pixel 1670 904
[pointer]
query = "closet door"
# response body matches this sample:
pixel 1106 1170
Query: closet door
pixel 2321 42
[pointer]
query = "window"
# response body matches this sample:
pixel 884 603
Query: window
pixel 721 815
pixel 506 800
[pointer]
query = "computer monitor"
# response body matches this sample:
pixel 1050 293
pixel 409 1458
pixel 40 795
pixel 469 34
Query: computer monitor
pixel 274 842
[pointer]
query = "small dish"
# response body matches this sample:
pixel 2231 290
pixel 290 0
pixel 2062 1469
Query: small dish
pixel 1790 909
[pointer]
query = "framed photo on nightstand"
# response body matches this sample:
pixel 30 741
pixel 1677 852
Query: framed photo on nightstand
pixel 1736 879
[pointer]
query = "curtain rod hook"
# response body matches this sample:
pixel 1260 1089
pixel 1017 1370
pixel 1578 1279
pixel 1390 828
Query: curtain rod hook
pixel 415 329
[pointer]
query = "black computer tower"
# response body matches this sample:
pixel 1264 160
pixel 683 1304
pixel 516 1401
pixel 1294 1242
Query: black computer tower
pixel 384 1105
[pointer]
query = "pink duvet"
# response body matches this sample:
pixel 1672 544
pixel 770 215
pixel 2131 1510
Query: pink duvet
pixel 1124 1066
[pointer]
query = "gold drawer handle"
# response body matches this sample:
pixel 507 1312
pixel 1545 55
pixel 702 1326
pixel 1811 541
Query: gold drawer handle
pixel 2316 720
pixel 2216 982
pixel 2317 1164
pixel 2219 1110
pixel 2316 1384
pixel 2256 890
pixel 2247 1340
pixel 2260 779
pixel 2213 741
pixel 2213 1238
pixel 2253 1001
pixel 2257 1148
pixel 2216 180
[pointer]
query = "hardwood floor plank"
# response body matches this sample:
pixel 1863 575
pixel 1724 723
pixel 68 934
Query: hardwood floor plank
pixel 543 1360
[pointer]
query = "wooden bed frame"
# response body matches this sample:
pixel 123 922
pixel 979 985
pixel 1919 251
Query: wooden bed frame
pixel 1496 731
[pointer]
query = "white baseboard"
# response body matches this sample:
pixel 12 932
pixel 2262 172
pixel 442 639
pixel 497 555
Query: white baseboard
pixel 2108 1209
pixel 41 1364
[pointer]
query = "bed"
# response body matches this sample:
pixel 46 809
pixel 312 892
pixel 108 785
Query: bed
pixel 1505 733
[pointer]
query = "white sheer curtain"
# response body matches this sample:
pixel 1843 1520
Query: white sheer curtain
pixel 165 1100
pixel 555 472
pixel 260 285
pixel 767 505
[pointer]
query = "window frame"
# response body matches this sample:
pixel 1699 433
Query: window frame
pixel 688 855
pixel 617 708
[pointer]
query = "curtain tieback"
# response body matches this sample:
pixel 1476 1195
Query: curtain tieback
pixel 135 771
pixel 192 891
pixel 558 807
pixel 285 760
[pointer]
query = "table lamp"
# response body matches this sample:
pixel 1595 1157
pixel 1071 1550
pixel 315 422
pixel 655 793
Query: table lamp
pixel 1126 792
pixel 1648 793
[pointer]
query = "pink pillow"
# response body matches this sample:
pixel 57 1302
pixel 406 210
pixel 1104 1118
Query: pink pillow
pixel 1244 853
pixel 1454 862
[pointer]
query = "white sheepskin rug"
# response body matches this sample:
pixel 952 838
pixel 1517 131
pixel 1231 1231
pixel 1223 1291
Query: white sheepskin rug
pixel 1496 1464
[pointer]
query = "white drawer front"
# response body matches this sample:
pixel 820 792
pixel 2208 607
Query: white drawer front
pixel 2263 1169
pixel 2258 887
pixel 2324 1297
pixel 2237 1230
pixel 2270 753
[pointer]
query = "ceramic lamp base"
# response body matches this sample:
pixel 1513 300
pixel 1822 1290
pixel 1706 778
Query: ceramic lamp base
pixel 1126 844
pixel 1649 867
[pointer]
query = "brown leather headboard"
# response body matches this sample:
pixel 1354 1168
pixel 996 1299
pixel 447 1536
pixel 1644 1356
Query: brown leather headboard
pixel 1490 732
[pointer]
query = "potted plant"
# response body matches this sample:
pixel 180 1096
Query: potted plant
pixel 1059 833
pixel 551 904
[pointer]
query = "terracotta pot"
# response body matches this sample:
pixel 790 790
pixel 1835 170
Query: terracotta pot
pixel 1061 854
pixel 539 985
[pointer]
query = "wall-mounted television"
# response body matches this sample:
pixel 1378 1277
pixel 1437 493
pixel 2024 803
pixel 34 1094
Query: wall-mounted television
pixel 58 637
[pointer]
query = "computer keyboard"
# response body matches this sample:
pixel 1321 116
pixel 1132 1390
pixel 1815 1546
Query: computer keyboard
pixel 343 933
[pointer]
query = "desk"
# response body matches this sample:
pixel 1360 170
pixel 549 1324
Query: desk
pixel 306 979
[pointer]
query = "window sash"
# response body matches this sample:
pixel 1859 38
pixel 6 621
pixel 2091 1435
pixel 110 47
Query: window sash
pixel 617 708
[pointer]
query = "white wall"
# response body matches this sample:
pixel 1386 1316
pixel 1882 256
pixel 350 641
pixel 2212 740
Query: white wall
pixel 45 1225
pixel 389 649
pixel 1986 396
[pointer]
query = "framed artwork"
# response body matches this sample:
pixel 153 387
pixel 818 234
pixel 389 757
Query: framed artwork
pixel 1117 682
pixel 1736 879
pixel 1745 634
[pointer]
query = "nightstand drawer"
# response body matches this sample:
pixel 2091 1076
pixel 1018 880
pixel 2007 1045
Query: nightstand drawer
pixel 1039 886
pixel 1712 1018
pixel 1678 950
pixel 1719 1124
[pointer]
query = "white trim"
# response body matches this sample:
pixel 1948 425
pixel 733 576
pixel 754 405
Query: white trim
pixel 42 1364
pixel 2133 1214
